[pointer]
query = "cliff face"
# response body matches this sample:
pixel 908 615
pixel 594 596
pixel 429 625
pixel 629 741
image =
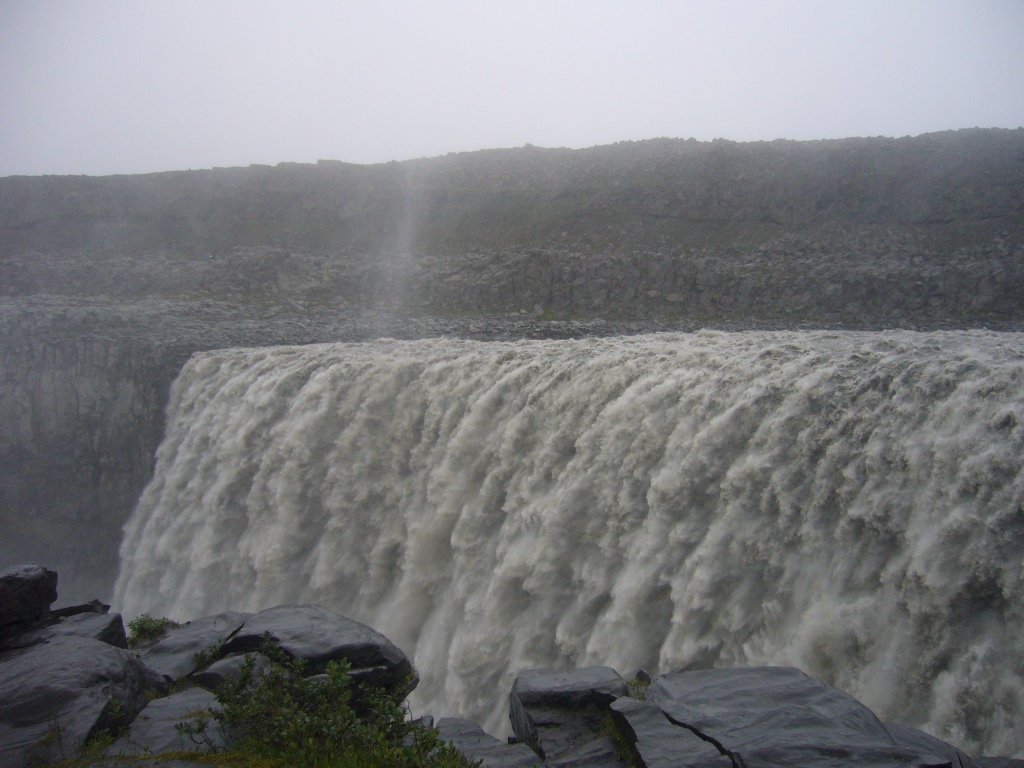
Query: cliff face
pixel 81 416
pixel 108 284
pixel 858 231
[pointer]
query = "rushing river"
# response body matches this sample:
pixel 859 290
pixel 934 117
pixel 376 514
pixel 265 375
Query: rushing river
pixel 849 503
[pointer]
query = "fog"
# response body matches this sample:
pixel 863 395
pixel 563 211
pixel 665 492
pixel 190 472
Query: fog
pixel 124 87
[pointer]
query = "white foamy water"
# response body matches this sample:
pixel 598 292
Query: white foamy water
pixel 849 503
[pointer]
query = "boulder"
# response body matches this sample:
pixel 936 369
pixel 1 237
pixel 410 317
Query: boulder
pixel 319 637
pixel 56 694
pixel 778 716
pixel 214 676
pixel 562 716
pixel 476 744
pixel 26 592
pixel 107 628
pixel 174 656
pixel 155 729
pixel 657 742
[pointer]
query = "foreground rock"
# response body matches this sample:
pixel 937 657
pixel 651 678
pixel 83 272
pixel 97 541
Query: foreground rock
pixel 155 730
pixel 65 677
pixel 563 716
pixel 476 744
pixel 58 693
pixel 778 716
pixel 319 637
pixel 174 655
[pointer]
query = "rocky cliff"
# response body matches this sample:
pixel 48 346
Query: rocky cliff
pixel 108 284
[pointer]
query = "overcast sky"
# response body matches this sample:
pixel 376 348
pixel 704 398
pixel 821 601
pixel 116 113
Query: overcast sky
pixel 131 86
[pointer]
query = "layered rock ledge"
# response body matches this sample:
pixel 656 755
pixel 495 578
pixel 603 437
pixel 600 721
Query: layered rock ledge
pixel 67 676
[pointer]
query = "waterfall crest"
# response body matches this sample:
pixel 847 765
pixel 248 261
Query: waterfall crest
pixel 849 503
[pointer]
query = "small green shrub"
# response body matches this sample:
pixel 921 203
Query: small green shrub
pixel 283 718
pixel 203 659
pixel 145 628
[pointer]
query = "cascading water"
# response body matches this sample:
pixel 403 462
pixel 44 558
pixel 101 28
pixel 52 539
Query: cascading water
pixel 849 503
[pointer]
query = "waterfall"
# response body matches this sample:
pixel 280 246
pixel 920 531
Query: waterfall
pixel 850 503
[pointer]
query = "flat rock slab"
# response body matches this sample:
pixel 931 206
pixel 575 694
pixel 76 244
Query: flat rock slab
pixel 778 716
pixel 562 716
pixel 174 655
pixel 93 606
pixel 155 730
pixel 56 694
pixel 476 744
pixel 26 592
pixel 319 637
pixel 660 743
pixel 107 628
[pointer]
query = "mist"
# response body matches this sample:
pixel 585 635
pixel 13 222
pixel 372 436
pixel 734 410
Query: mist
pixel 117 87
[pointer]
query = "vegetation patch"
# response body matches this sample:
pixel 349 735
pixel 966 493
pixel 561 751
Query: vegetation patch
pixel 145 628
pixel 283 719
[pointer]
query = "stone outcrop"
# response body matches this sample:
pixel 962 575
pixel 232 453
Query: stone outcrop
pixel 61 682
pixel 155 729
pixel 319 637
pixel 477 744
pixel 67 675
pixel 562 715
pixel 26 592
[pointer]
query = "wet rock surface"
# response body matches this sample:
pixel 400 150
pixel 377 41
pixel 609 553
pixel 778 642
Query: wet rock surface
pixel 174 654
pixel 562 715
pixel 660 743
pixel 155 729
pixel 776 716
pixel 56 694
pixel 60 685
pixel 318 637
pixel 476 744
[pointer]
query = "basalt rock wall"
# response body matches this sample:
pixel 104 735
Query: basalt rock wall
pixel 855 231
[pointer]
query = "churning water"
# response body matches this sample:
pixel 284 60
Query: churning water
pixel 849 503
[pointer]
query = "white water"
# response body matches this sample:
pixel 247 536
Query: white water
pixel 850 503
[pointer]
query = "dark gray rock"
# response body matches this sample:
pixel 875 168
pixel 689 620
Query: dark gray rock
pixel 927 745
pixel 93 606
pixel 26 592
pixel 107 628
pixel 660 743
pixel 154 730
pixel 778 716
pixel 562 716
pixel 476 744
pixel 998 762
pixel 174 655
pixel 56 694
pixel 215 675
pixel 319 637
